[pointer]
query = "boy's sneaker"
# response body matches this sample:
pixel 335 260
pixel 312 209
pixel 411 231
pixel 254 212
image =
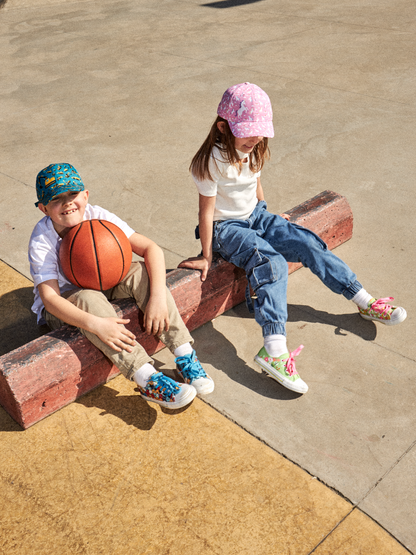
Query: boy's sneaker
pixel 380 311
pixel 166 392
pixel 282 369
pixel 192 372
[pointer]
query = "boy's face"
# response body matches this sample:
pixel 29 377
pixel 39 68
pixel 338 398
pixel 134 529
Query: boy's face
pixel 66 210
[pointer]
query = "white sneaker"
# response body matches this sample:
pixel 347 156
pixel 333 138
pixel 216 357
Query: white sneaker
pixel 166 392
pixel 192 372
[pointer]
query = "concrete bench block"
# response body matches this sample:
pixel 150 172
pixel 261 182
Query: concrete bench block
pixel 50 372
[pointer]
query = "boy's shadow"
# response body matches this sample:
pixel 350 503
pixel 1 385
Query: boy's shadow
pixel 132 409
pixel 17 321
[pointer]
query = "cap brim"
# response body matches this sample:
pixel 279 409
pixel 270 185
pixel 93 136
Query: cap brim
pixel 246 129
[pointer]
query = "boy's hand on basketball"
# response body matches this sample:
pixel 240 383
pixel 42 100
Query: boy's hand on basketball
pixel 113 334
pixel 197 263
pixel 156 315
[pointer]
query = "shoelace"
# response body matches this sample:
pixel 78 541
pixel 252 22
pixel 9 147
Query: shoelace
pixel 165 385
pixel 190 367
pixel 290 364
pixel 381 306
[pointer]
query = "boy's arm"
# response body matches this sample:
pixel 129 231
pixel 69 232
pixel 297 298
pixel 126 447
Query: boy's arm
pixel 108 330
pixel 156 316
pixel 206 218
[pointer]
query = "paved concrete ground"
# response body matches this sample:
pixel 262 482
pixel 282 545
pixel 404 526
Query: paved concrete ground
pixel 126 91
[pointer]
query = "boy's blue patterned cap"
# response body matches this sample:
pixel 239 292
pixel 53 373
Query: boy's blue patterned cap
pixel 56 179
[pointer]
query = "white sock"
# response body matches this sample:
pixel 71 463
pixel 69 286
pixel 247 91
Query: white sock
pixel 183 350
pixel 362 298
pixel 275 345
pixel 143 374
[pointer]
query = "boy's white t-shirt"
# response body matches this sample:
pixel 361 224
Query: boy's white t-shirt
pixel 44 247
pixel 236 192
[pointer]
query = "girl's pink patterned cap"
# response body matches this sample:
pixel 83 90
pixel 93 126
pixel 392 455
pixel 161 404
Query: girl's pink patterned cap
pixel 248 110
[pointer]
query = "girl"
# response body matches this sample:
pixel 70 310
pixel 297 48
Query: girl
pixel 234 222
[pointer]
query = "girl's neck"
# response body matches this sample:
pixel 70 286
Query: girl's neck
pixel 243 156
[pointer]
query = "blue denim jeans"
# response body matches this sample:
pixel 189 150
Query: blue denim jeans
pixel 262 245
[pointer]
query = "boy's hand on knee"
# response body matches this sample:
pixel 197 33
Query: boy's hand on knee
pixel 197 263
pixel 113 333
pixel 156 316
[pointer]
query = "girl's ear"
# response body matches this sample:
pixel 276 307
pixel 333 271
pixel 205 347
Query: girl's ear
pixel 221 126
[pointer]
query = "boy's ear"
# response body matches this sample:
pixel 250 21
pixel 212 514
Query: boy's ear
pixel 221 126
pixel 43 208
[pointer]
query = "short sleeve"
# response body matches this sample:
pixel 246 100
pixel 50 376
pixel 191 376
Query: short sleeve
pixel 96 212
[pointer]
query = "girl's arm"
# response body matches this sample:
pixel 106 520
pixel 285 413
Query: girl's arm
pixel 206 218
pixel 156 316
pixel 260 196
pixel 260 193
pixel 108 330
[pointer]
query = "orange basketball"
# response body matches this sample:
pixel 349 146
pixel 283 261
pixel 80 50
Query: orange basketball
pixel 95 254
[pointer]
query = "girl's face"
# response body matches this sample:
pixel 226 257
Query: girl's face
pixel 246 145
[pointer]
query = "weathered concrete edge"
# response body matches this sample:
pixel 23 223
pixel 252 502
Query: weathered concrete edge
pixel 50 372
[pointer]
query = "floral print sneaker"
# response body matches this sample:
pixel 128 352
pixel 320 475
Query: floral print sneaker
pixel 282 369
pixel 166 392
pixel 192 373
pixel 379 311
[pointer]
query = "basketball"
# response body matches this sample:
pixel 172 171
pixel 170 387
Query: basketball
pixel 95 254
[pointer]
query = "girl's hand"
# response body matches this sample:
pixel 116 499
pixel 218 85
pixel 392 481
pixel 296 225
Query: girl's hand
pixel 197 263
pixel 113 333
pixel 285 216
pixel 156 316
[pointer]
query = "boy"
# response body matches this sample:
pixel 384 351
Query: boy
pixel 64 201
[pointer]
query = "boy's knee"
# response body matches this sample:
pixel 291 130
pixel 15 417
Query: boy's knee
pixel 137 275
pixel 88 298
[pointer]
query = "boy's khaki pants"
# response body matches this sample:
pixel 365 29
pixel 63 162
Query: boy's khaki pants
pixel 135 285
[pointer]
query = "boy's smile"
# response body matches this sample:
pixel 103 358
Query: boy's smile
pixel 66 210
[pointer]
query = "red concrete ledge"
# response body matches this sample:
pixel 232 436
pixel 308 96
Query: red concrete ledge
pixel 52 371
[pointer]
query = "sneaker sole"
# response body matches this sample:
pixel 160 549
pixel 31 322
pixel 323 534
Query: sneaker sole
pixel 200 389
pixel 186 399
pixel 204 389
pixel 386 322
pixel 278 377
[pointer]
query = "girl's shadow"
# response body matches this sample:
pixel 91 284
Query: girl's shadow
pixel 351 322
pixel 215 349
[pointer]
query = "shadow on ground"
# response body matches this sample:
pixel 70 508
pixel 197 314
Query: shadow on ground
pixel 17 321
pixel 215 349
pixel 350 322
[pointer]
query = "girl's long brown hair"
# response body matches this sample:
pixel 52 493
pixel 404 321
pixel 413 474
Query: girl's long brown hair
pixel 225 142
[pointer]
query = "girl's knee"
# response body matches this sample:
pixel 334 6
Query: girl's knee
pixel 262 270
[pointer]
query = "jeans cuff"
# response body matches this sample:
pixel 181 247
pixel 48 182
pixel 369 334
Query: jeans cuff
pixel 273 328
pixel 352 290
